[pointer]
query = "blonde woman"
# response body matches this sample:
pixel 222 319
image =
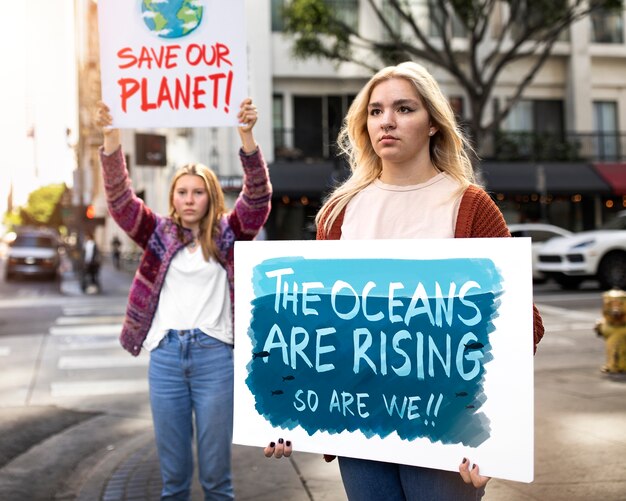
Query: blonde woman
pixel 181 302
pixel 411 178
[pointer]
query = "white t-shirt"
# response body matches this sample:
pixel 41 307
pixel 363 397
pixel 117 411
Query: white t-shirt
pixel 384 211
pixel 195 294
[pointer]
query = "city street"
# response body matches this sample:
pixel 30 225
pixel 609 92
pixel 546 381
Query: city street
pixel 75 420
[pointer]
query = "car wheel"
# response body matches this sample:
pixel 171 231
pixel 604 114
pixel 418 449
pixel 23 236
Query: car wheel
pixel 612 271
pixel 567 282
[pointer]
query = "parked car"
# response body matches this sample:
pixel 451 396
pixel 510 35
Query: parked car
pixel 539 233
pixel 598 254
pixel 33 252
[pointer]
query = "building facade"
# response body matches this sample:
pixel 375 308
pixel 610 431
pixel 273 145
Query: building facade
pixel 560 156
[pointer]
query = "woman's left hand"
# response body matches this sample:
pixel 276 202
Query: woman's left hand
pixel 472 476
pixel 278 450
pixel 247 117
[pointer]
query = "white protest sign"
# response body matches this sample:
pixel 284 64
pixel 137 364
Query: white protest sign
pixel 407 351
pixel 172 63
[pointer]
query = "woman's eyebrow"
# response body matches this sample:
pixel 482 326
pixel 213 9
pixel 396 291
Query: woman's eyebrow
pixel 397 102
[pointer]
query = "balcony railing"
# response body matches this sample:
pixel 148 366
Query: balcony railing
pixel 503 145
pixel 592 147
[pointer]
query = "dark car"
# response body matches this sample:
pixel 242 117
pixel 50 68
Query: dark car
pixel 33 253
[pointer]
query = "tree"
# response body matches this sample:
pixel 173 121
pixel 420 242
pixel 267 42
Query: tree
pixel 527 29
pixel 42 208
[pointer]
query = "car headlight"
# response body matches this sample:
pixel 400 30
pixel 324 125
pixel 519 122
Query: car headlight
pixel 584 244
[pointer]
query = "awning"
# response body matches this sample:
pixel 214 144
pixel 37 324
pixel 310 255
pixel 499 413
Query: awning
pixel 614 174
pixel 555 178
pixel 299 178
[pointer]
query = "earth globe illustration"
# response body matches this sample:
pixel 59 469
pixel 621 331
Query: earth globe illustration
pixel 171 18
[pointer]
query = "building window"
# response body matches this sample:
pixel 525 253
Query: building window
pixel 607 26
pixel 437 19
pixel 606 137
pixel 278 19
pixel 520 118
pixel 534 129
pixel 346 11
pixel 278 121
pixel 526 15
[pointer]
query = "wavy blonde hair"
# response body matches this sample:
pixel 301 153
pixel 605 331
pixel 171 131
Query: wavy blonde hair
pixel 210 223
pixel 448 147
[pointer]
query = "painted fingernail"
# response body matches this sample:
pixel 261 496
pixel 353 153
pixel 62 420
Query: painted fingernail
pixel 272 444
pixel 474 467
pixel 464 460
pixel 280 440
pixel 288 443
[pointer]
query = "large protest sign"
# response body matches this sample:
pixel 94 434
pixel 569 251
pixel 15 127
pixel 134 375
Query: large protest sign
pixel 172 63
pixel 418 352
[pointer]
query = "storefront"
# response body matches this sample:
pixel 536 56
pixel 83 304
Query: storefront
pixel 572 195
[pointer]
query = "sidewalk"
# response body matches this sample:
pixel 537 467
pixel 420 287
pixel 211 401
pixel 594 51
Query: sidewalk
pixel 580 437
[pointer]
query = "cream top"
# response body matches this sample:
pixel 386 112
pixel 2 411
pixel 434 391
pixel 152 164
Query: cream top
pixel 384 211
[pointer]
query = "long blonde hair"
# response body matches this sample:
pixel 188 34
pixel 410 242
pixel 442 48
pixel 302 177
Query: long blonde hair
pixel 210 223
pixel 448 147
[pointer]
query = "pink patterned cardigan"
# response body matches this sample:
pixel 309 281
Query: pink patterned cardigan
pixel 158 236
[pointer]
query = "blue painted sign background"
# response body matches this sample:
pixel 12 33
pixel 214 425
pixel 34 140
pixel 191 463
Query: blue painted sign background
pixel 390 348
pixel 377 345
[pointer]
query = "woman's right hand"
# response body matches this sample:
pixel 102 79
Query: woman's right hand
pixel 104 120
pixel 278 450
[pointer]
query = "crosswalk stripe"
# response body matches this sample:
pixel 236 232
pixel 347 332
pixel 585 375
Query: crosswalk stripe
pixel 100 387
pixel 86 310
pixel 86 330
pixel 100 362
pixel 109 319
pixel 99 343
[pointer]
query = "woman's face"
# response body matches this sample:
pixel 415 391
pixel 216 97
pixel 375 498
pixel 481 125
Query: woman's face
pixel 397 122
pixel 190 200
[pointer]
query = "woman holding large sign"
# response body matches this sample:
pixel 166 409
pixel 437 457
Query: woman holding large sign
pixel 411 178
pixel 181 302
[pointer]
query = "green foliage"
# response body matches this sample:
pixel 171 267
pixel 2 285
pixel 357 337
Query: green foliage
pixel 320 31
pixel 12 219
pixel 42 208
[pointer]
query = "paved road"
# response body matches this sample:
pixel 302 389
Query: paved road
pixel 75 421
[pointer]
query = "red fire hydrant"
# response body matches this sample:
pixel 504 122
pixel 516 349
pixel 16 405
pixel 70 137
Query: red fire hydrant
pixel 613 328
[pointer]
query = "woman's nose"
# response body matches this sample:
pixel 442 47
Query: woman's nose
pixel 387 123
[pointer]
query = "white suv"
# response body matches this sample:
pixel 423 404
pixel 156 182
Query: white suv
pixel 598 255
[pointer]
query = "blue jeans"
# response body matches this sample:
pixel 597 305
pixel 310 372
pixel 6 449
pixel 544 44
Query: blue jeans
pixel 191 375
pixel 366 480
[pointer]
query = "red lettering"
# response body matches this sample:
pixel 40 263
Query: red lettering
pixel 145 105
pixel 192 59
pixel 222 51
pixel 126 53
pixel 183 94
pixel 216 77
pixel 197 54
pixel 164 94
pixel 197 92
pixel 163 57
pixel 176 93
pixel 144 57
pixel 127 92
pixel 171 56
